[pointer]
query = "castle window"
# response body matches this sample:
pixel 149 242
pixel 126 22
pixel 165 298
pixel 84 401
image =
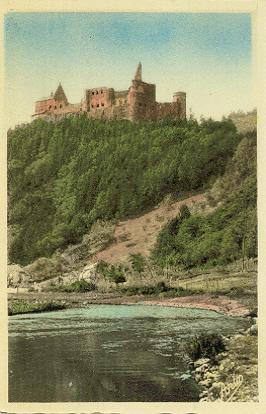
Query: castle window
pixel 50 106
pixel 102 104
pixel 55 107
pixel 97 92
pixel 92 106
pixel 92 93
pixel 101 92
pixel 61 106
pixel 98 105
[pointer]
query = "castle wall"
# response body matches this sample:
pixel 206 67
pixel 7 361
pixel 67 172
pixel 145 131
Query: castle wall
pixel 120 98
pixel 111 112
pixel 52 107
pixel 101 97
pixel 136 104
pixel 180 97
pixel 42 106
pixel 168 110
pixel 141 101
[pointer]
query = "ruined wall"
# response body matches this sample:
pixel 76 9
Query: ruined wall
pixel 136 104
pixel 44 105
pixel 120 98
pixel 180 97
pixel 52 107
pixel 141 101
pixel 101 97
pixel 168 110
pixel 108 113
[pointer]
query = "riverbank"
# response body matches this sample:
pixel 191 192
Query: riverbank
pixel 232 375
pixel 219 303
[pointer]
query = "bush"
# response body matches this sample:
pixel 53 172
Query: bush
pixel 119 279
pixel 205 346
pixel 21 306
pixel 160 289
pixel 137 262
pixel 80 286
pixel 112 272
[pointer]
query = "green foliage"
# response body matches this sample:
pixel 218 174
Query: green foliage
pixel 160 289
pixel 205 346
pixel 137 262
pixel 21 306
pixel 119 278
pixel 184 212
pixel 64 176
pixel 229 232
pixel 80 286
pixel 112 272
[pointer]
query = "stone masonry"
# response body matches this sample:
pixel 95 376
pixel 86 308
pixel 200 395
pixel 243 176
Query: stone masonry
pixel 135 104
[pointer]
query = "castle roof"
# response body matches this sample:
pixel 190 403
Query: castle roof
pixel 59 94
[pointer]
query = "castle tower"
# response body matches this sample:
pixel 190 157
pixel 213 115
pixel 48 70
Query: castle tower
pixel 138 75
pixel 141 97
pixel 180 98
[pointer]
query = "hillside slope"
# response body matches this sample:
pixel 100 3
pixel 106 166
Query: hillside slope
pixel 63 177
pixel 138 235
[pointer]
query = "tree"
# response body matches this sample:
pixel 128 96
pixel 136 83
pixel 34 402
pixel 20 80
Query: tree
pixel 137 262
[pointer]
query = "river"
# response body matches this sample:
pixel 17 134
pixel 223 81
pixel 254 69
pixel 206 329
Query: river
pixel 108 353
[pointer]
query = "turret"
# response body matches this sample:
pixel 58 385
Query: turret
pixel 180 97
pixel 141 98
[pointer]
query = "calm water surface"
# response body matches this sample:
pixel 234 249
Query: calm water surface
pixel 107 353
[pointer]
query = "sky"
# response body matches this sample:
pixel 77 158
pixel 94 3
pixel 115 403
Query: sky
pixel 207 55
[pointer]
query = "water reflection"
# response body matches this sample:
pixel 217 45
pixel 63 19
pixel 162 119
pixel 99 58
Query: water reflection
pixel 106 353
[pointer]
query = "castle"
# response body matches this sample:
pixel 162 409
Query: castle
pixel 135 104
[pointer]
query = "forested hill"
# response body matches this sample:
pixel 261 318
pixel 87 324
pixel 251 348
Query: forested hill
pixel 63 176
pixel 226 234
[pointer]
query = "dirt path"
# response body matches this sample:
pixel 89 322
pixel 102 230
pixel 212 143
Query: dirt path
pixel 138 235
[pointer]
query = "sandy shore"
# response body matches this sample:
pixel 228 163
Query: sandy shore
pixel 221 304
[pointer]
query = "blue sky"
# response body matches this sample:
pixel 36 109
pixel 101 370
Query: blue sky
pixel 206 55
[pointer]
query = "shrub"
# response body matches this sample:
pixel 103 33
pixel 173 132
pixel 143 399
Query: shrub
pixel 184 212
pixel 205 346
pixel 80 286
pixel 119 279
pixel 137 262
pixel 160 289
pixel 115 273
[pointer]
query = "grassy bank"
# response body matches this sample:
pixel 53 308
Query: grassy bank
pixel 218 303
pixel 19 306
